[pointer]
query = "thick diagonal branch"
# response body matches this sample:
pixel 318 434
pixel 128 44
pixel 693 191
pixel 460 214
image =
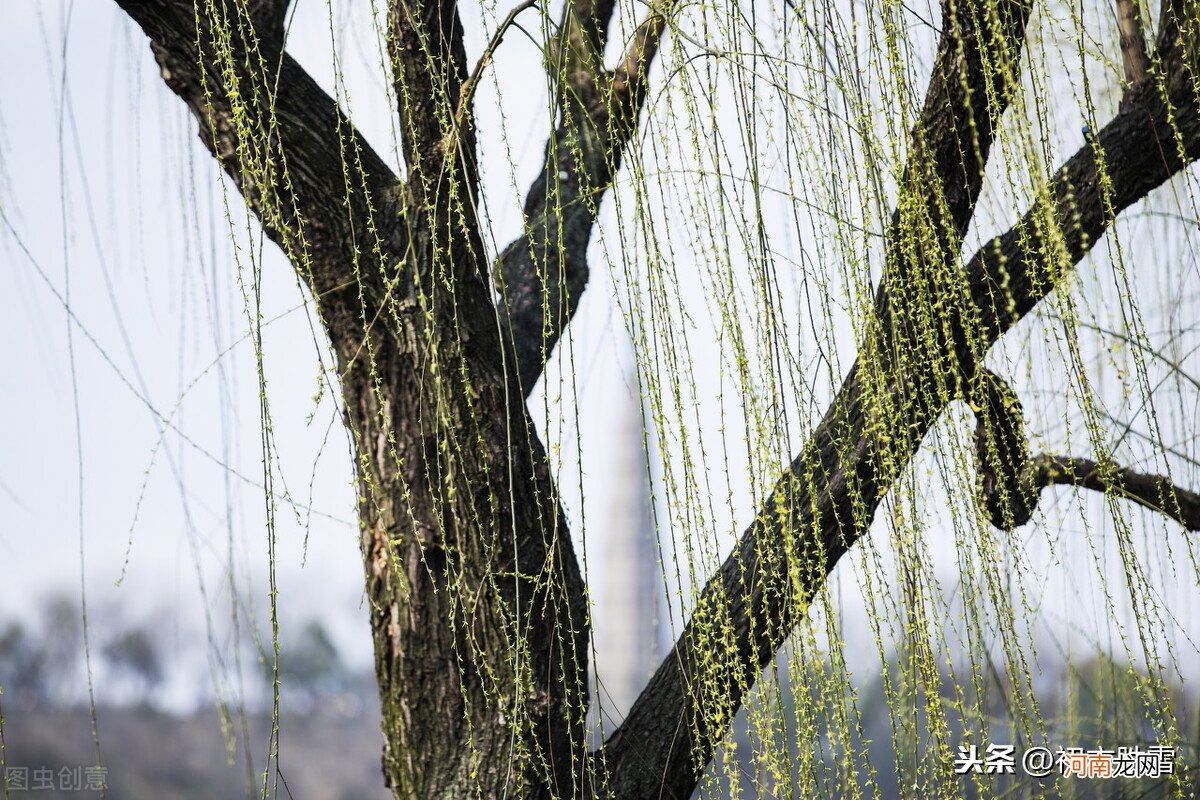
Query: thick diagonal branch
pixel 828 497
pixel 319 190
pixel 975 72
pixel 974 76
pixel 1145 144
pixel 542 274
pixel 437 133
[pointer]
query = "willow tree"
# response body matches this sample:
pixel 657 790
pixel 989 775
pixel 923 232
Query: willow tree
pixel 478 604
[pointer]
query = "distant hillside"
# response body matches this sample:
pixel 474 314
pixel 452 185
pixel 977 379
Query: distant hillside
pixel 150 755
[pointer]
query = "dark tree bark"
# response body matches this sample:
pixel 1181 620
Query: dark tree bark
pixel 453 488
pixel 477 604
pixel 542 274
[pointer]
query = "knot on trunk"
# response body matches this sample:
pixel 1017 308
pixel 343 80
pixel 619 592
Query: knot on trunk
pixel 1005 491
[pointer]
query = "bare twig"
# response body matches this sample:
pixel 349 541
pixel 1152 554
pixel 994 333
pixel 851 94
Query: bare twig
pixel 467 94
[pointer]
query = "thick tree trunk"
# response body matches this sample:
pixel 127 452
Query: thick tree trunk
pixel 477 606
pixel 480 647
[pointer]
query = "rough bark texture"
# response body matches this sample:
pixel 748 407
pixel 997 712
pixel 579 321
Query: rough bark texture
pixel 1133 42
pixel 542 274
pixel 477 605
pixel 1155 492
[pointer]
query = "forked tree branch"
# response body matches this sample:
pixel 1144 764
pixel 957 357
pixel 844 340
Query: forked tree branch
pixel 286 145
pixel 828 497
pixel 975 73
pixel 455 499
pixel 1010 480
pixel 466 95
pixel 1146 143
pixel 541 275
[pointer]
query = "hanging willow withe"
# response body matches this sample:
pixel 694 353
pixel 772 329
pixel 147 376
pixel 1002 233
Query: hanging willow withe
pixel 861 201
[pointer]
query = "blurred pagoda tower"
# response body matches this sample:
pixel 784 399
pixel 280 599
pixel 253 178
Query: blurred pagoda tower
pixel 628 602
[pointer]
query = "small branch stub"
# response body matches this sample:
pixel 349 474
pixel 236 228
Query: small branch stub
pixel 1133 44
pixel 1010 480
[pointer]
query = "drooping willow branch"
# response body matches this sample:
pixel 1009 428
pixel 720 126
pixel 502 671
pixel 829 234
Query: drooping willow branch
pixel 1010 479
pixel 269 15
pixel 974 76
pixel 466 95
pixel 827 498
pixel 329 201
pixel 455 496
